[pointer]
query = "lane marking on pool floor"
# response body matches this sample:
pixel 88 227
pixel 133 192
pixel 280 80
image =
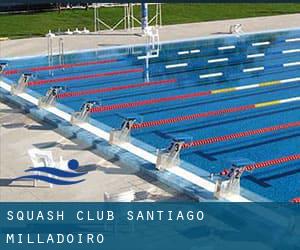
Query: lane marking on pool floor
pixel 291 64
pixel 147 56
pixel 253 69
pixel 261 43
pixel 226 47
pixel 211 75
pixel 292 40
pixel 187 96
pixel 186 52
pixel 290 51
pixel 225 59
pixel 256 55
pixel 188 176
pixel 178 65
pixel 194 51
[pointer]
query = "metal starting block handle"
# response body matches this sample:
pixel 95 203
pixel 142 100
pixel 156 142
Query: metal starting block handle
pixel 49 98
pixel 122 135
pixel 231 184
pixel 22 84
pixel 170 157
pixel 3 65
pixel 84 113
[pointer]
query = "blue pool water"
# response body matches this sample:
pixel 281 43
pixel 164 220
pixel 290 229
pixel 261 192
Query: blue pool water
pixel 237 61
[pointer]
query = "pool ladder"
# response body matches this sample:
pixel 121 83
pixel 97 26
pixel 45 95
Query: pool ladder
pixel 61 53
pixel 50 53
pixel 153 47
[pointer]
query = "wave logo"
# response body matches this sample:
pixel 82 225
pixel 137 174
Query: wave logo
pixel 55 175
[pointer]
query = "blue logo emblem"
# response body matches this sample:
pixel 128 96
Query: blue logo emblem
pixel 63 175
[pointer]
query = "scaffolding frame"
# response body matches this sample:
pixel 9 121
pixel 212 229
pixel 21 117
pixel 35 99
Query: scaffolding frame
pixel 128 20
pixel 155 20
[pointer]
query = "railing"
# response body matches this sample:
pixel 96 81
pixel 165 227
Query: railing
pixel 61 51
pixel 50 50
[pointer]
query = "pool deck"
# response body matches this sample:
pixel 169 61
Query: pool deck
pixel 38 45
pixel 18 133
pixel 106 176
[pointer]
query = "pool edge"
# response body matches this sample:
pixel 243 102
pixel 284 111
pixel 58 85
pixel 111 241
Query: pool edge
pixel 105 150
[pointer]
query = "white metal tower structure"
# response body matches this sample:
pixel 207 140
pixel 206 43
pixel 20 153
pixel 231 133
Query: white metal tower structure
pixel 98 20
pixel 129 20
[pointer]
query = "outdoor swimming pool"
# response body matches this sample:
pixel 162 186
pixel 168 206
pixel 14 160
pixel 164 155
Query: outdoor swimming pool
pixel 234 98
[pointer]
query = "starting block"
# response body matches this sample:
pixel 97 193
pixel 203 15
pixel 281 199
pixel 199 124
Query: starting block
pixel 122 135
pixel 84 113
pixel 170 157
pixel 231 185
pixel 22 84
pixel 236 29
pixel 226 188
pixel 3 65
pixel 50 97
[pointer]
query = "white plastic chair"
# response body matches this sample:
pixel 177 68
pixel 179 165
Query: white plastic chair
pixel 50 34
pixel 85 31
pixel 69 32
pixel 40 158
pixel 77 31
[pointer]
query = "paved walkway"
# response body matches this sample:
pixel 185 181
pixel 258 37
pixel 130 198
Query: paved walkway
pixel 18 133
pixel 35 46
